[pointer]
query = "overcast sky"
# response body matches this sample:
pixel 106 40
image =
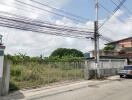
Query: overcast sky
pixel 34 44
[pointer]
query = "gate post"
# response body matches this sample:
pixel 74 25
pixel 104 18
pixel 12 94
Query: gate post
pixel 86 71
pixel 6 78
pixel 2 48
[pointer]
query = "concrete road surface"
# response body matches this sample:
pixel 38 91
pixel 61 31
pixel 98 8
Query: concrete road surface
pixel 112 89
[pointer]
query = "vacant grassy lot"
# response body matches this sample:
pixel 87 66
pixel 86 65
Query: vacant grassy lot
pixel 30 75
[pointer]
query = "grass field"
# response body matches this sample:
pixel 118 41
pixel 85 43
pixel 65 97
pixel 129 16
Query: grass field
pixel 30 75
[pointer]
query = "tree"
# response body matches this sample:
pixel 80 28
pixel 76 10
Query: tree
pixel 18 58
pixel 62 52
pixel 109 47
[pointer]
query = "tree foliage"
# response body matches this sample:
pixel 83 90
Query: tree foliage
pixel 63 59
pixel 59 55
pixel 22 58
pixel 64 52
pixel 109 47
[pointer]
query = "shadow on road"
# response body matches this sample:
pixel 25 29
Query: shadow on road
pixel 13 96
pixel 129 77
pixel 14 93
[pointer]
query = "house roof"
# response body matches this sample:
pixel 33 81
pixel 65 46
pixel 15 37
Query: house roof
pixel 120 40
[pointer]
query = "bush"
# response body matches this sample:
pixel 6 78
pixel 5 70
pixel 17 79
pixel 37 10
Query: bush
pixel 63 59
pixel 16 70
pixel 35 74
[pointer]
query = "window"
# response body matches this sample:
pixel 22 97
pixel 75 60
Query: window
pixel 128 67
pixel 123 46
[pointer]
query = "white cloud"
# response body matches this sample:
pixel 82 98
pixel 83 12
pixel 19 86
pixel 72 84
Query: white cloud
pixel 19 8
pixel 116 29
pixel 7 8
pixel 35 44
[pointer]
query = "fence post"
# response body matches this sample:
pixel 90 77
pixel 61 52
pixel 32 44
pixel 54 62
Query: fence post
pixel 126 61
pixel 86 71
pixel 0 85
pixel 6 78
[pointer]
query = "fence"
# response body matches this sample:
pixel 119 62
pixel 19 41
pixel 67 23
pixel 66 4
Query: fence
pixel 108 67
pixel 28 75
pixel 36 74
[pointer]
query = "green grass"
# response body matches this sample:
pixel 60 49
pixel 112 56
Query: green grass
pixel 33 74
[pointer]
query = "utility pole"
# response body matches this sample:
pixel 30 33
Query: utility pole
pixel 96 39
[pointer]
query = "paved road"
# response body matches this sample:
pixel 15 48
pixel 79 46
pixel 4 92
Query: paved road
pixel 115 90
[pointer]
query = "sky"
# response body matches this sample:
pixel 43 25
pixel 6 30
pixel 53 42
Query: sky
pixel 34 44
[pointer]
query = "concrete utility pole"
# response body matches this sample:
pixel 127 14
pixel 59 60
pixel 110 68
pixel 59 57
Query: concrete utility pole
pixel 96 39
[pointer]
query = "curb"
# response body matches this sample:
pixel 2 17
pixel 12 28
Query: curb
pixel 58 89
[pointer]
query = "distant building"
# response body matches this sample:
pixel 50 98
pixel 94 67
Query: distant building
pixel 86 55
pixel 104 53
pixel 124 44
pixel 122 49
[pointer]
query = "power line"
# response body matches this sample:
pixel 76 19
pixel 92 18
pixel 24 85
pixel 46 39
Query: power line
pixel 38 31
pixel 107 10
pixel 110 30
pixel 55 29
pixel 51 24
pixel 42 22
pixel 110 12
pixel 18 8
pixel 5 4
pixel 37 28
pixel 122 6
pixel 31 11
pixel 126 8
pixel 116 9
pixel 48 11
pixel 59 10
pixel 104 39
pixel 48 25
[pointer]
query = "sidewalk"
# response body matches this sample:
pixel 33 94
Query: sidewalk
pixel 57 89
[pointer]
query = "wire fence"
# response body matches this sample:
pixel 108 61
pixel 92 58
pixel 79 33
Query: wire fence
pixel 29 75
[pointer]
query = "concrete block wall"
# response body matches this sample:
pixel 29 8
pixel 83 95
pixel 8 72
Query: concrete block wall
pixel 108 67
